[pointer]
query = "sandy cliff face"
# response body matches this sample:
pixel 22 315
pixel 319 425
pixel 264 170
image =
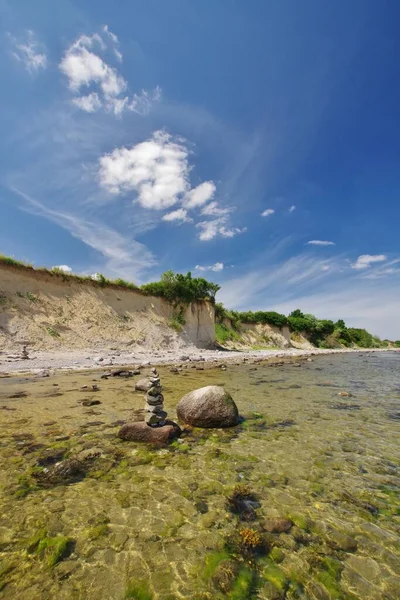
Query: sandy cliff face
pixel 262 334
pixel 46 312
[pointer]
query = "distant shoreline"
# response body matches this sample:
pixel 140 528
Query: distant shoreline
pixel 90 359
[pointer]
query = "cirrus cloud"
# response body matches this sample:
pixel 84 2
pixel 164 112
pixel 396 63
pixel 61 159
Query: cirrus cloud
pixel 320 243
pixel 30 52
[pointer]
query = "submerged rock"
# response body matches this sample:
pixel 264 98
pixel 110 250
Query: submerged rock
pixel 210 406
pixel 278 525
pixel 141 432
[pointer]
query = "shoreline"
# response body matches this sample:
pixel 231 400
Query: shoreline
pixel 92 359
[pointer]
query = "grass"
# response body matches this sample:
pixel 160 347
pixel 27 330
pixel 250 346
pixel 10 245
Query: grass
pixel 53 332
pixel 225 334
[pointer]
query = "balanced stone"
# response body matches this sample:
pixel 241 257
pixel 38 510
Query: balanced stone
pixel 154 408
pixel 154 400
pixel 154 390
pixel 155 419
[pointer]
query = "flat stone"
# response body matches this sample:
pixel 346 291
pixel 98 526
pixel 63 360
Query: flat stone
pixel 155 400
pixel 156 409
pixel 141 432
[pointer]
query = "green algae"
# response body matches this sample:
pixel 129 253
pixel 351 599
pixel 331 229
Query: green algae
pixel 51 548
pixel 138 591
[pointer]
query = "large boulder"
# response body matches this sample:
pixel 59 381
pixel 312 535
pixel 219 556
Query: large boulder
pixel 210 406
pixel 141 432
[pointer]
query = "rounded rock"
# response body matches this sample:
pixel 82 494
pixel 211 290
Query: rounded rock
pixel 210 406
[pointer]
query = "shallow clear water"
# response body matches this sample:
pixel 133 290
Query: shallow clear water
pixel 157 516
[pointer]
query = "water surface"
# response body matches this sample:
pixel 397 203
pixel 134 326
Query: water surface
pixel 157 516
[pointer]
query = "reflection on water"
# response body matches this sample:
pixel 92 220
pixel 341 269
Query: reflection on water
pixel 320 469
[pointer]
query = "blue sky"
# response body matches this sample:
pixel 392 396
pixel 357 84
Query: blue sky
pixel 253 143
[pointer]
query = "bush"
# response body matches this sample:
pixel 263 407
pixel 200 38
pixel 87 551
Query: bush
pixel 176 287
pixel 269 317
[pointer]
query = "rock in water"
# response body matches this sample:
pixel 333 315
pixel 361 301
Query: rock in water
pixel 143 385
pixel 210 406
pixel 141 432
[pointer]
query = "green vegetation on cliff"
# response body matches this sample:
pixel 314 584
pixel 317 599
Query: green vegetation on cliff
pixel 180 290
pixel 323 333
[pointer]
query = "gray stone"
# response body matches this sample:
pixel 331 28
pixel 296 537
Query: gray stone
pixel 155 400
pixel 143 385
pixel 210 406
pixel 151 408
pixel 155 418
pixel 154 390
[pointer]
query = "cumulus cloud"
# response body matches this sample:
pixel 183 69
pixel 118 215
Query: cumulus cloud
pixel 64 268
pixel 292 208
pixel 366 260
pixel 200 194
pixel 320 243
pixel 218 266
pixel 85 68
pixel 158 172
pixel 267 212
pixel 177 215
pixel 30 52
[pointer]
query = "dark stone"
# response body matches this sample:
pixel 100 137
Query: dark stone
pixel 141 432
pixel 121 373
pixel 90 402
pixel 201 507
pixel 278 525
pixel 210 406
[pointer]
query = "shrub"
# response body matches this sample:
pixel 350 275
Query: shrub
pixel 179 288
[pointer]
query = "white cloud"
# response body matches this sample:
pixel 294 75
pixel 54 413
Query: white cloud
pixel 218 266
pixel 226 232
pixel 90 103
pixel 213 209
pixel 267 212
pixel 157 170
pixel 211 229
pixel 177 215
pixel 366 260
pixel 31 53
pixel 292 208
pixel 64 268
pixel 320 243
pixel 200 194
pixel 84 68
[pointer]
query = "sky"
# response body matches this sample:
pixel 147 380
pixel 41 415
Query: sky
pixel 255 144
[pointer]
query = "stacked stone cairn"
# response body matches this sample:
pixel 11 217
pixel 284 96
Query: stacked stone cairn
pixel 155 413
